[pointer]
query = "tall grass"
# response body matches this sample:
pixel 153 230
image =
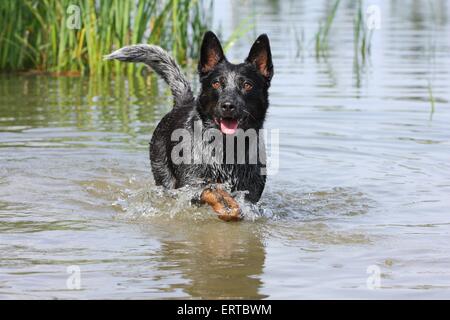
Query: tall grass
pixel 321 37
pixel 34 33
pixel 432 100
pixel 299 37
pixel 362 36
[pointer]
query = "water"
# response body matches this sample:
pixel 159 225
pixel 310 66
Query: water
pixel 363 184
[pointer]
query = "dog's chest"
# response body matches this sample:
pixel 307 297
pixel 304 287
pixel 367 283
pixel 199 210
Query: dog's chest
pixel 227 164
pixel 231 174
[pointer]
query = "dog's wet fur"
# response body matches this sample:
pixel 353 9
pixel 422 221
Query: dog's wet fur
pixel 232 96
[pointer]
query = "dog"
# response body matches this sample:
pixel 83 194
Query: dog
pixel 232 98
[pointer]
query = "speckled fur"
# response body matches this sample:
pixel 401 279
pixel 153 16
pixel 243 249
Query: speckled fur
pixel 251 108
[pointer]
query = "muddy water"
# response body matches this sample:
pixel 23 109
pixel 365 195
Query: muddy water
pixel 359 207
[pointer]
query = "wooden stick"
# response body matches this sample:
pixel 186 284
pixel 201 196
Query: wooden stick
pixel 222 203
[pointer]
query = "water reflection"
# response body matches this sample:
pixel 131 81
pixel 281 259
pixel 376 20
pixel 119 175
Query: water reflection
pixel 117 105
pixel 216 260
pixel 363 173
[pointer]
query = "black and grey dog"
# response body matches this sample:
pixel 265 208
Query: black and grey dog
pixel 232 97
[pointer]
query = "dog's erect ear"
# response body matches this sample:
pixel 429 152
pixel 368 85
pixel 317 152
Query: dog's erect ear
pixel 261 57
pixel 211 53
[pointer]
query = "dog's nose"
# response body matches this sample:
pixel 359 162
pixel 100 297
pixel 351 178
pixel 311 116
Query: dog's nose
pixel 228 107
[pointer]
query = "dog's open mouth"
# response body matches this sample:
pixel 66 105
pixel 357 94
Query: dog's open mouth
pixel 227 125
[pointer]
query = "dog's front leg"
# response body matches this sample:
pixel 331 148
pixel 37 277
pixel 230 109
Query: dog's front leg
pixel 222 203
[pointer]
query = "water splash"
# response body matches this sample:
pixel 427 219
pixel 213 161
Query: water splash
pixel 153 201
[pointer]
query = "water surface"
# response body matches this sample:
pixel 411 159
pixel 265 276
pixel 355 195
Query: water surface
pixel 363 183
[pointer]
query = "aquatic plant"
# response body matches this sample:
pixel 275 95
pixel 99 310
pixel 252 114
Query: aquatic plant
pixel 322 35
pixel 299 37
pixel 362 36
pixel 71 36
pixel 432 100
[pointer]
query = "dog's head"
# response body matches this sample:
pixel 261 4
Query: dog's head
pixel 234 95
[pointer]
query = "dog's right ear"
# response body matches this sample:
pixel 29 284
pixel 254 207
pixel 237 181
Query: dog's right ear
pixel 211 53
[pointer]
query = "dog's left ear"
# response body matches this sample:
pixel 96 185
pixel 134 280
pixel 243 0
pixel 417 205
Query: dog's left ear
pixel 261 57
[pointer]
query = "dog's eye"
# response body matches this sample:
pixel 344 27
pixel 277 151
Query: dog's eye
pixel 247 86
pixel 216 84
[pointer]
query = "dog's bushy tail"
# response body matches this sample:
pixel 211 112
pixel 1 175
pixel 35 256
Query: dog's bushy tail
pixel 162 63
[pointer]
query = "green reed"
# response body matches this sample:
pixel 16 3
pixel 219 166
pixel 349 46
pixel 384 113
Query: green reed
pixel 322 35
pixel 432 100
pixel 362 37
pixel 34 34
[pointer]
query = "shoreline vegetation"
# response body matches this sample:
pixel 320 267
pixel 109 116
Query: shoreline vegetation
pixel 69 38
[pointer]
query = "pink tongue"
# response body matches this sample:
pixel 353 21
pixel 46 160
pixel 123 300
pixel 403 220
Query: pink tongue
pixel 228 126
